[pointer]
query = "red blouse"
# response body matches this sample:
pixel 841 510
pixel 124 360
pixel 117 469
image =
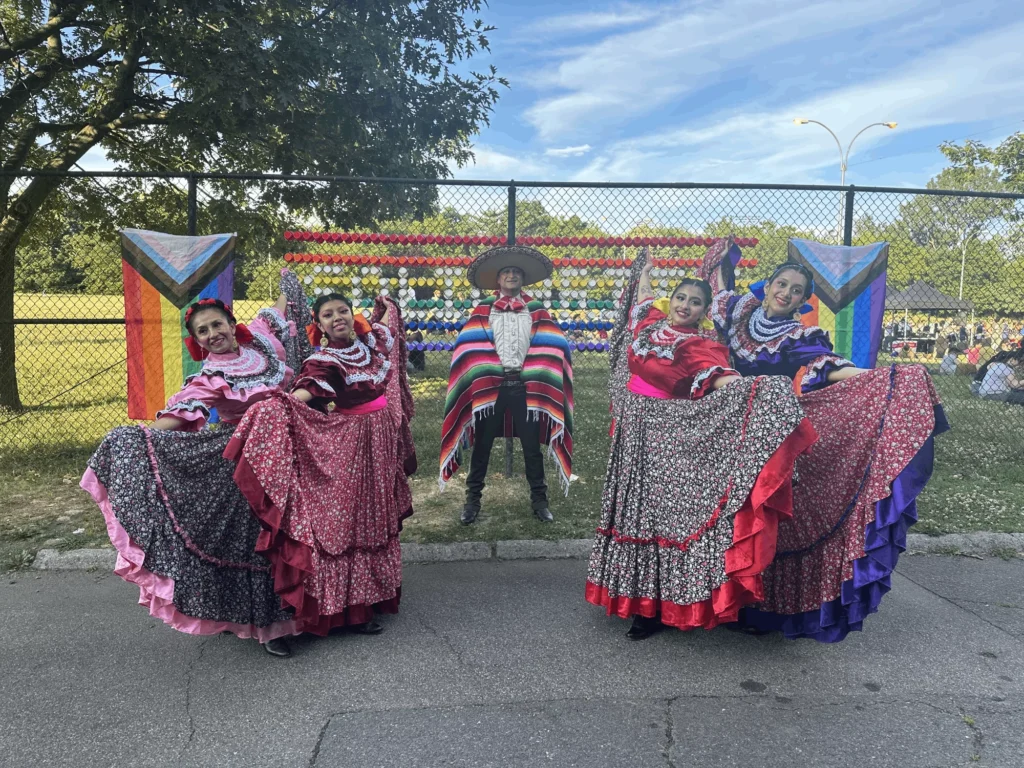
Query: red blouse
pixel 682 363
pixel 352 375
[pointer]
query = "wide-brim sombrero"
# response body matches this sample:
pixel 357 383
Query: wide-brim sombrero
pixel 483 272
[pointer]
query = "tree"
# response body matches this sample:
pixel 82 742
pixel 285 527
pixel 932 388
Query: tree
pixel 1007 158
pixel 360 87
pixel 951 227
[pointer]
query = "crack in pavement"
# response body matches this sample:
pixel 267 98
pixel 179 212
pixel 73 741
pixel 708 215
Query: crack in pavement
pixel 977 737
pixel 459 657
pixel 188 698
pixel 955 604
pixel 670 738
pixel 320 740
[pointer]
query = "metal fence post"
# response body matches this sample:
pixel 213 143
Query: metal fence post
pixel 848 218
pixel 193 208
pixel 511 239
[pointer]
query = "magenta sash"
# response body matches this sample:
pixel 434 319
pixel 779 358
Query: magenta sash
pixel 374 405
pixel 638 386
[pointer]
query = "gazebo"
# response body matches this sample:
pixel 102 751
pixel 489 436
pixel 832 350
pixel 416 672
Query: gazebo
pixel 925 297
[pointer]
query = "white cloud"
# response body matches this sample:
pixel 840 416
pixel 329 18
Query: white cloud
pixel 686 48
pixel 492 163
pixel 568 151
pixel 620 17
pixel 972 81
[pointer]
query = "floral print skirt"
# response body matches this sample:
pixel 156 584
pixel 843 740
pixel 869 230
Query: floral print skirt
pixel 692 500
pixel 855 498
pixel 184 533
pixel 331 491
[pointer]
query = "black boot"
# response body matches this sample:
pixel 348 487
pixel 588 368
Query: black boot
pixel 277 647
pixel 643 627
pixel 469 513
pixel 368 628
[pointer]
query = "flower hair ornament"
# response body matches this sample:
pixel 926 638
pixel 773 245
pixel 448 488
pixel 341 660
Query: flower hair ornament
pixel 242 334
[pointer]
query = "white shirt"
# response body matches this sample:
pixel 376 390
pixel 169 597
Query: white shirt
pixel 511 337
pixel 995 381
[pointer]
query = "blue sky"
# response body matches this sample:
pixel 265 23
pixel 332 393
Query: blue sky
pixel 706 90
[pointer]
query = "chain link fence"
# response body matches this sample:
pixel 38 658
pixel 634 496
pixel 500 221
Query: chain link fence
pixel 954 279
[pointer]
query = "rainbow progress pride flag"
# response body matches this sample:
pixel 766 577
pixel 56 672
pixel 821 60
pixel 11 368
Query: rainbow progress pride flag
pixel 849 294
pixel 162 275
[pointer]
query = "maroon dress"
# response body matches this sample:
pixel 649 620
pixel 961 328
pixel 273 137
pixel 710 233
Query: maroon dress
pixel 328 482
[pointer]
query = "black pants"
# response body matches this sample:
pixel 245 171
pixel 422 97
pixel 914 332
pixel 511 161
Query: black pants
pixel 511 398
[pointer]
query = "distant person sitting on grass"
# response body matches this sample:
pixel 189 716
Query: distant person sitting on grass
pixel 948 365
pixel 1001 379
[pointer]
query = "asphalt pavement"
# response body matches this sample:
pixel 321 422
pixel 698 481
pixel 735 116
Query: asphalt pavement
pixel 496 663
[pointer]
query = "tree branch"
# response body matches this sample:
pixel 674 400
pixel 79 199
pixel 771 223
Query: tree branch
pixel 331 7
pixel 14 99
pixel 56 23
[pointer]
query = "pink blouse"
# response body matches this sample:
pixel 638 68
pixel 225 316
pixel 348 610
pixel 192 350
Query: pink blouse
pixel 232 382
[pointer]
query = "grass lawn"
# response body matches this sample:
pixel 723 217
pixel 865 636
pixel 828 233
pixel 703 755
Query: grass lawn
pixel 978 482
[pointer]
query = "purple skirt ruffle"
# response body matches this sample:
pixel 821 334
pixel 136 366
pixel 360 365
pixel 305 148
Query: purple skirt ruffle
pixel 885 539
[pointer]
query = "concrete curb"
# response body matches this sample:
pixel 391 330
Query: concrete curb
pixel 981 544
pixel 974 544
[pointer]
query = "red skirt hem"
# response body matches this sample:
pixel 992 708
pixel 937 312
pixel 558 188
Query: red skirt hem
pixel 755 532
pixel 291 560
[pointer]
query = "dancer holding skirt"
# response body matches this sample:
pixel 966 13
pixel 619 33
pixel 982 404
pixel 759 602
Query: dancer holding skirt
pixel 325 470
pixel 699 474
pixel 183 532
pixel 857 488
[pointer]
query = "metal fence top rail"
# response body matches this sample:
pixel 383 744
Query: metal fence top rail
pixel 252 176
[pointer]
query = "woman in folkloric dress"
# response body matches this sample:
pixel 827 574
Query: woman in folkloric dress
pixel 699 473
pixel 856 490
pixel 326 468
pixel 184 533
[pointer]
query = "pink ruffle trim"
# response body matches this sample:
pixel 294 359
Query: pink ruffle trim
pixel 157 592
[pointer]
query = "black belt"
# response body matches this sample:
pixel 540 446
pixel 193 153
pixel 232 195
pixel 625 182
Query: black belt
pixel 511 379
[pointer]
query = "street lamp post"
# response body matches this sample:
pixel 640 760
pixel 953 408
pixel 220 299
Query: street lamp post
pixel 844 157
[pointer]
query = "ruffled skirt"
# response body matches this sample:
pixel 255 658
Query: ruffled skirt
pixel 854 501
pixel 692 500
pixel 183 532
pixel 331 492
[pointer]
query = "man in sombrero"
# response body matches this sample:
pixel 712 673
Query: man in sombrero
pixel 511 375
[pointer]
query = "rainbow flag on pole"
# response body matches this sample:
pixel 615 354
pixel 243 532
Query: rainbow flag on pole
pixel 162 275
pixel 849 295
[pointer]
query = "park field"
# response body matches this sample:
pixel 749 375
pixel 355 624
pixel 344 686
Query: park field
pixel 73 380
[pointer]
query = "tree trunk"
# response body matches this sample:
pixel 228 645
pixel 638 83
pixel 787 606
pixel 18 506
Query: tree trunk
pixel 9 397
pixel 19 215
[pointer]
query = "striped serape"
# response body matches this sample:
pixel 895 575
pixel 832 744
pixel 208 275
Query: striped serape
pixel 476 376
